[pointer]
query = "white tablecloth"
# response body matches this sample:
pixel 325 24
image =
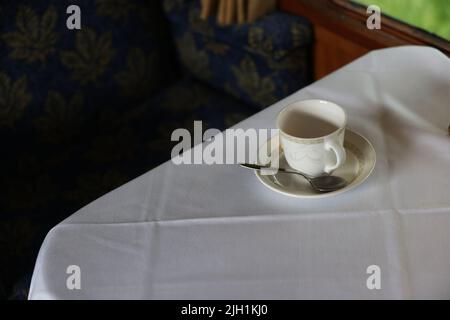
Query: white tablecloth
pixel 215 232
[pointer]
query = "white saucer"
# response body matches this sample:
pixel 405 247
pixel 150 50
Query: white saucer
pixel 358 166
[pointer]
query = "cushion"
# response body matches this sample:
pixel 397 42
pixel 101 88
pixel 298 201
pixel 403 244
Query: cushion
pixel 260 62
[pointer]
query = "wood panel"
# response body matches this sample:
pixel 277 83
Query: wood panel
pixel 332 51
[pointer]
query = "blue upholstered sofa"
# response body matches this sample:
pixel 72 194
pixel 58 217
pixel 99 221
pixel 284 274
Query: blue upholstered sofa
pixel 84 111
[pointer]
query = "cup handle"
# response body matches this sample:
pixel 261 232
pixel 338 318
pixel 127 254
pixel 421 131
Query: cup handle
pixel 339 151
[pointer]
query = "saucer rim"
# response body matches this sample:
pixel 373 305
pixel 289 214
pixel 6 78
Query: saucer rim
pixel 349 187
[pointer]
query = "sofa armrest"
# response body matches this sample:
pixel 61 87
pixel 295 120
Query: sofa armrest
pixel 258 62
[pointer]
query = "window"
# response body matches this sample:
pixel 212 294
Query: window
pixel 430 15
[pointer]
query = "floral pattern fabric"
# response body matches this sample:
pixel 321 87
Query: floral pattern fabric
pixel 40 54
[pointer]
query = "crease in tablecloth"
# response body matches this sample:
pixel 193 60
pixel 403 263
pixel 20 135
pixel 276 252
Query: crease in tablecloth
pixel 188 231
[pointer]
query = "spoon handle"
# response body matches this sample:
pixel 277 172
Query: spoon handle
pixel 265 167
pixel 294 172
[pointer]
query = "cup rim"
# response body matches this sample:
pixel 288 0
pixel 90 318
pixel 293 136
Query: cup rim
pixel 285 108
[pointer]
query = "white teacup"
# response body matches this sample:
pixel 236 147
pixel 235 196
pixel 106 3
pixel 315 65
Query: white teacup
pixel 312 136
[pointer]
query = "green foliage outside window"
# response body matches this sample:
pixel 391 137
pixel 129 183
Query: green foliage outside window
pixel 430 15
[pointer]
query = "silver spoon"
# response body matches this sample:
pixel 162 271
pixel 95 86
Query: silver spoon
pixel 325 183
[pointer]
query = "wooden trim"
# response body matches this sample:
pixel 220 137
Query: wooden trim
pixel 332 51
pixel 349 20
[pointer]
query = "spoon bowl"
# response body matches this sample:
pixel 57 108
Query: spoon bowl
pixel 327 183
